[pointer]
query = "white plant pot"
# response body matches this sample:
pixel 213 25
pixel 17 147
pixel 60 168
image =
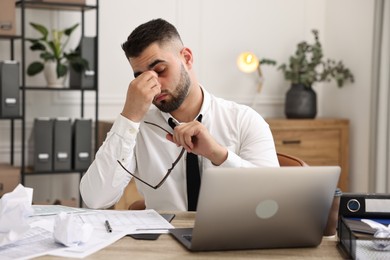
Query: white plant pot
pixel 51 75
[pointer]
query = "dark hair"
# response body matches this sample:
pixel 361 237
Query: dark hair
pixel 157 30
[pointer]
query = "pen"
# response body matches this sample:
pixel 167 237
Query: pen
pixel 108 227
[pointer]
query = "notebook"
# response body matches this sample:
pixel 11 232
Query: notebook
pixel 254 208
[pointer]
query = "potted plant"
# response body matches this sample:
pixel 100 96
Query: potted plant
pixel 55 60
pixel 305 68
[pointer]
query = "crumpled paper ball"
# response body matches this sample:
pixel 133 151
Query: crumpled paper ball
pixel 70 232
pixel 382 231
pixel 15 209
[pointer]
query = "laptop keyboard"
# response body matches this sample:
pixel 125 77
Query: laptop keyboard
pixel 188 237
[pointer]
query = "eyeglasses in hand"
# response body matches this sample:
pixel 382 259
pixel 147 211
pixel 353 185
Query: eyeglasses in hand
pixel 168 171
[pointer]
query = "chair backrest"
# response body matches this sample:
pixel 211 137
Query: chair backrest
pixel 289 160
pixel 138 205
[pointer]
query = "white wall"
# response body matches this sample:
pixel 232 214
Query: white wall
pixel 349 36
pixel 217 31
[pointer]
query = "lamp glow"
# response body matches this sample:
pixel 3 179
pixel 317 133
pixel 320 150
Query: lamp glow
pixel 247 62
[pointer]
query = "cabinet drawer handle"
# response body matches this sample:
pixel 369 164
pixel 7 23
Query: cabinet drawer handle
pixel 291 141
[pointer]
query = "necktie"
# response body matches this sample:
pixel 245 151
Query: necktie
pixel 192 174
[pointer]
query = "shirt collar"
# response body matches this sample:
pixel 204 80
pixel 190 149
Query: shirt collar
pixel 203 110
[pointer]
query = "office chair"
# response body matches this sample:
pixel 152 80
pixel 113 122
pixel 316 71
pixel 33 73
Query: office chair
pixel 138 205
pixel 289 160
pixel 284 160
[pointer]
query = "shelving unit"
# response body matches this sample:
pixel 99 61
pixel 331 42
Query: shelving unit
pixel 23 5
pixel 12 120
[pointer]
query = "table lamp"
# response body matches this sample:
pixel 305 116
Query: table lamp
pixel 248 62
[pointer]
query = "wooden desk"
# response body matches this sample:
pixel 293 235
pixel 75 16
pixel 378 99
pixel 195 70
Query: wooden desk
pixel 166 247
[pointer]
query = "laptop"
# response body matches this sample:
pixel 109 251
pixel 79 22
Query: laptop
pixel 256 208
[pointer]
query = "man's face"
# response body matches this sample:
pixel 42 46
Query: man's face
pixel 172 75
pixel 176 97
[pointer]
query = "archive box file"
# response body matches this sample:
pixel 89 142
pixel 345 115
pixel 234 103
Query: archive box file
pixel 43 144
pixel 82 144
pixel 9 89
pixel 62 160
pixel 85 79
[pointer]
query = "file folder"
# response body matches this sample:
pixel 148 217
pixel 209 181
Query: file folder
pixel 82 144
pixel 62 160
pixel 357 239
pixel 9 89
pixel 85 79
pixel 43 144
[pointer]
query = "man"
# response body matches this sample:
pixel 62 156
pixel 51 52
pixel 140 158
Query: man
pixel 146 139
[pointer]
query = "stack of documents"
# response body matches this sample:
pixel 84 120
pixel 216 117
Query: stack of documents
pixel 39 239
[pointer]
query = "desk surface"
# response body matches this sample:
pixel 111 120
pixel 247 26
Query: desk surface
pixel 166 247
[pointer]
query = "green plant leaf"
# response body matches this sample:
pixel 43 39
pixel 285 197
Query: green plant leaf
pixel 69 30
pixel 47 56
pixel 77 63
pixel 34 68
pixel 53 49
pixel 267 62
pixel 307 66
pixel 56 49
pixel 37 46
pixel 61 70
pixel 42 29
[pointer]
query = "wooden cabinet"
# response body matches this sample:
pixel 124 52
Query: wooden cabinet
pixel 316 141
pixel 9 178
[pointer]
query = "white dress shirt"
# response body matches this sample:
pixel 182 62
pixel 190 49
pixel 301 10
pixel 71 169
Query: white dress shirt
pixel 144 150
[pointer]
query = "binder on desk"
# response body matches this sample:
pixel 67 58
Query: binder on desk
pixel 43 144
pixel 9 89
pixel 82 144
pixel 62 160
pixel 356 238
pixel 85 79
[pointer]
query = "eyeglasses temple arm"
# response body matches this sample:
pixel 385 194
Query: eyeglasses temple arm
pixel 170 169
pixel 144 182
pixel 156 125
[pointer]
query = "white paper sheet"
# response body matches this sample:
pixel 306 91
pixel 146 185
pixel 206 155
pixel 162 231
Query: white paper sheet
pixel 130 221
pixel 46 210
pixel 122 223
pixel 36 242
pixel 15 209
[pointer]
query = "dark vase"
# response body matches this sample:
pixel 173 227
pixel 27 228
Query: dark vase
pixel 301 102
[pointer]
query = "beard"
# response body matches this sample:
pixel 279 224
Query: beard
pixel 179 94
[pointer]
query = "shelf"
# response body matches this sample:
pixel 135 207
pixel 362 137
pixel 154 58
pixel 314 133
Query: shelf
pixel 30 171
pixel 10 37
pixel 10 118
pixel 36 88
pixel 55 6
